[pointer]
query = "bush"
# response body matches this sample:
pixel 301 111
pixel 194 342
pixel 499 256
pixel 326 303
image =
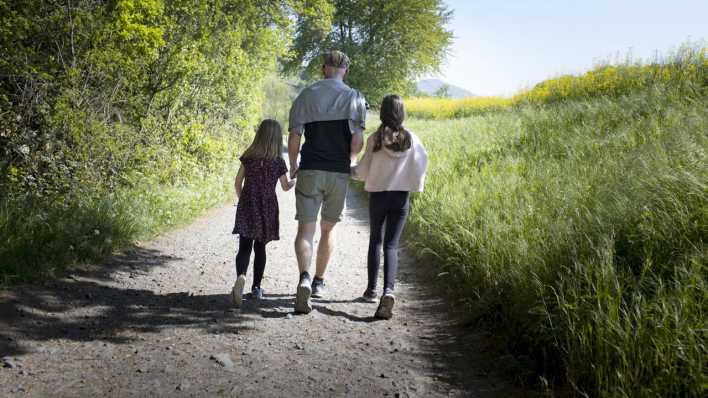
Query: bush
pixel 107 108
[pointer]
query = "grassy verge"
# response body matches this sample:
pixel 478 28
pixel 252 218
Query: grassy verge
pixel 579 231
pixel 39 239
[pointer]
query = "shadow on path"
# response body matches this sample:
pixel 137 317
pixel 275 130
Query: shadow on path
pixel 88 306
pixel 82 307
pixel 353 318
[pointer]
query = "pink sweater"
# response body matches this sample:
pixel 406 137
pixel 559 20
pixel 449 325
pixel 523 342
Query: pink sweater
pixel 387 170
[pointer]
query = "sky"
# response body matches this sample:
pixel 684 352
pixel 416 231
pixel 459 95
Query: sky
pixel 502 46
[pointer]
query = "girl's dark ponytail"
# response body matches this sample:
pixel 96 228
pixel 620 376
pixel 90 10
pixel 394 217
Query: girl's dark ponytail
pixel 391 132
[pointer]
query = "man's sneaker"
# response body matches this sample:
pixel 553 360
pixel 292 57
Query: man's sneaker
pixel 237 291
pixel 369 295
pixel 385 310
pixel 302 298
pixel 318 288
pixel 257 293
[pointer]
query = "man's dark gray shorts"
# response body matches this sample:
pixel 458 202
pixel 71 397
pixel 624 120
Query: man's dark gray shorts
pixel 317 188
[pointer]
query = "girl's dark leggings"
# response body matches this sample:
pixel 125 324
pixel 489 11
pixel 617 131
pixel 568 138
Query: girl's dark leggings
pixel 243 257
pixel 389 208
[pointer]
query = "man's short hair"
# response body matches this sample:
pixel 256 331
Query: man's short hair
pixel 335 59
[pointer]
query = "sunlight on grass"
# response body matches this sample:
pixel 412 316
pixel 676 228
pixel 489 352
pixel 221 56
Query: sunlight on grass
pixel 577 229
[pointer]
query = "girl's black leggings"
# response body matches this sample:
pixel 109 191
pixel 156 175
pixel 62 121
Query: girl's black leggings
pixel 388 208
pixel 243 257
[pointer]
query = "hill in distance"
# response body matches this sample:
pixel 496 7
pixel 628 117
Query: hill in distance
pixel 432 87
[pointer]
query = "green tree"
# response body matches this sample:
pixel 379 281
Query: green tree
pixel 100 99
pixel 101 90
pixel 443 91
pixel 391 43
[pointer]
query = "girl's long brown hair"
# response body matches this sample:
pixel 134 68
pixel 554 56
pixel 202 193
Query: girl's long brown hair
pixel 268 142
pixel 391 132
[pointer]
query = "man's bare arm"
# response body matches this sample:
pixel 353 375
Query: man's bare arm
pixel 293 149
pixel 357 145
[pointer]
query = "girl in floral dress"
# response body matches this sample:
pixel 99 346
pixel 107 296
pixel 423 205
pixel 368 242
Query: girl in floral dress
pixel 257 212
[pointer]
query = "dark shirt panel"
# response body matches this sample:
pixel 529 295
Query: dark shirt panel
pixel 327 146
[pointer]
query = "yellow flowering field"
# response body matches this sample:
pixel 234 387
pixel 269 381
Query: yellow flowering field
pixel 686 69
pixel 447 108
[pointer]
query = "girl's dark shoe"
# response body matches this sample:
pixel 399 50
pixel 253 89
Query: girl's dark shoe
pixel 369 295
pixel 257 293
pixel 385 310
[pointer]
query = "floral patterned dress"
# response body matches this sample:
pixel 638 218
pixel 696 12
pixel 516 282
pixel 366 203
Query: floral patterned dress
pixel 257 211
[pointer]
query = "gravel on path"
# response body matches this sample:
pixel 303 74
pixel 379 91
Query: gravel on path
pixel 156 320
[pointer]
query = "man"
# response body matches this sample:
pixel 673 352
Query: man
pixel 332 117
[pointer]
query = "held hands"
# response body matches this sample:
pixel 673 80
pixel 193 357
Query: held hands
pixel 285 183
pixel 354 170
pixel 293 174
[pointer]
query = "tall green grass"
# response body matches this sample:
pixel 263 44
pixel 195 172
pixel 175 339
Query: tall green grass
pixel 39 239
pixel 579 231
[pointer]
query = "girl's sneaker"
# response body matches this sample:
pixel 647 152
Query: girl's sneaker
pixel 369 295
pixel 237 291
pixel 257 293
pixel 385 310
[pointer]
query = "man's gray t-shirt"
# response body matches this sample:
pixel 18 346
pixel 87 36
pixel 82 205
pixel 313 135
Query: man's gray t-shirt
pixel 328 112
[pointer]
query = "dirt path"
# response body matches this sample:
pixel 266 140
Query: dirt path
pixel 157 321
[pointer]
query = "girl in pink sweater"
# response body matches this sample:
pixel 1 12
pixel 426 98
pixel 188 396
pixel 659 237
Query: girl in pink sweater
pixel 393 166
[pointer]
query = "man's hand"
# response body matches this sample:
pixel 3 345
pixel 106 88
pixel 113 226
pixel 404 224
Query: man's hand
pixel 293 171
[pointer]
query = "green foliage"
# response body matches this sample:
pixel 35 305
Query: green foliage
pixel 102 103
pixel 37 241
pixel 443 91
pixel 278 94
pixel 390 43
pixel 577 229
